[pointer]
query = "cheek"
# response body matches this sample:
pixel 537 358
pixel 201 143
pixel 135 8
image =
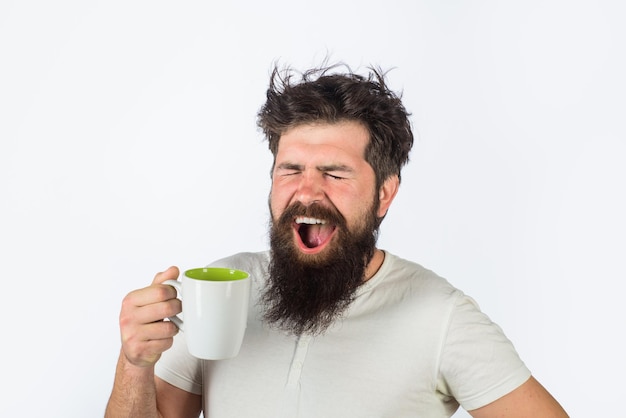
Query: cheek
pixel 370 205
pixel 281 193
pixel 355 208
pixel 277 203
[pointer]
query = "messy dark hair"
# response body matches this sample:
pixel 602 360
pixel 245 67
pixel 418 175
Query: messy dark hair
pixel 321 95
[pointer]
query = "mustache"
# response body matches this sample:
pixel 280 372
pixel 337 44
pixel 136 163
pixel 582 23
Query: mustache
pixel 315 210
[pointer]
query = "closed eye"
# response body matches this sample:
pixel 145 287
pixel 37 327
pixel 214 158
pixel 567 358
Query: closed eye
pixel 334 177
pixel 336 171
pixel 288 169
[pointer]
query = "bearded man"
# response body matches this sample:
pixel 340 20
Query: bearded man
pixel 337 326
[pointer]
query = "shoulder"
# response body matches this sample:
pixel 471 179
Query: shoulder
pixel 405 286
pixel 254 263
pixel 408 277
pixel 243 259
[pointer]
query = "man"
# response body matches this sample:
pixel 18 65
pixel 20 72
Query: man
pixel 338 327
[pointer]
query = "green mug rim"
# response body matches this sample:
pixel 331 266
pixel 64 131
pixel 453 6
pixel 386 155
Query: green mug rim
pixel 216 274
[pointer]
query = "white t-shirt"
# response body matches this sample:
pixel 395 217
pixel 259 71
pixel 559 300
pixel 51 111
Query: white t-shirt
pixel 409 345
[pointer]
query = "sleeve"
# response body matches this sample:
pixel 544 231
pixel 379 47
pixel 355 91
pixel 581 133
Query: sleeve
pixel 478 362
pixel 179 368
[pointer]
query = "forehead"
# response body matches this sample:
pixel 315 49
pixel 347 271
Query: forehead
pixel 347 139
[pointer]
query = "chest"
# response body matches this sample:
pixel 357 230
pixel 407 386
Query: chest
pixel 378 364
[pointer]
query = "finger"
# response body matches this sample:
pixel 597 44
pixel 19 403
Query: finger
pixel 158 311
pixel 161 330
pixel 148 296
pixel 136 316
pixel 169 274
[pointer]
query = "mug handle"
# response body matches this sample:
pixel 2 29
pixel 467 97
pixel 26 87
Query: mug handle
pixel 175 319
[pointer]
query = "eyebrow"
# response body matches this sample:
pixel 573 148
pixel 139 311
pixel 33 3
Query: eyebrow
pixel 323 168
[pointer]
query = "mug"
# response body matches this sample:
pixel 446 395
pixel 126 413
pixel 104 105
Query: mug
pixel 215 310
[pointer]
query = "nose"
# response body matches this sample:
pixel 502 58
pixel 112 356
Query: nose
pixel 310 189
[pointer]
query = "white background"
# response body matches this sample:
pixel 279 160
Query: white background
pixel 128 144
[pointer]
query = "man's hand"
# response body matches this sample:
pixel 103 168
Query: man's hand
pixel 145 335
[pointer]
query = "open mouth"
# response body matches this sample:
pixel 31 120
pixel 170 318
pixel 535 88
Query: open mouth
pixel 313 234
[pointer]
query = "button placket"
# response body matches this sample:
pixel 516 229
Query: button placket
pixel 291 397
pixel 299 357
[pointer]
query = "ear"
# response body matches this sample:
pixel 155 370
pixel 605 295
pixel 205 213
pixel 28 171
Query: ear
pixel 386 194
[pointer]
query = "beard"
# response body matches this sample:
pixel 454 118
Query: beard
pixel 306 293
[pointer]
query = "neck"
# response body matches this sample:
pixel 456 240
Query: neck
pixel 374 264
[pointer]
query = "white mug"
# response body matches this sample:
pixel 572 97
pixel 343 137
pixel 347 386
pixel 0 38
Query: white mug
pixel 215 310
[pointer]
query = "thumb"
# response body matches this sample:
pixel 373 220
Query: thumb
pixel 169 274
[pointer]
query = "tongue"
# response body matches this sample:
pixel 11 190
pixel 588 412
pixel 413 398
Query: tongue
pixel 315 235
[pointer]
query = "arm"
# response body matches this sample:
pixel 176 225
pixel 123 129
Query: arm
pixel 137 393
pixel 529 400
pixel 173 402
pixel 134 391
